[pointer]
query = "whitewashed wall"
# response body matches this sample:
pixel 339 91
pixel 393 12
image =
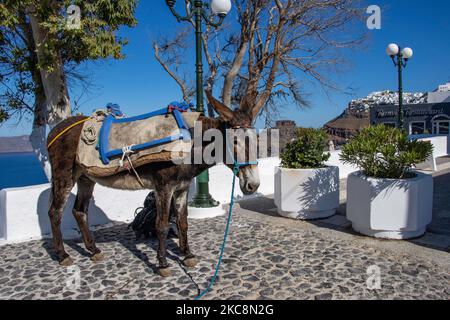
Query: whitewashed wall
pixel 440 144
pixel 441 148
pixel 344 169
pixel 24 211
pixel 221 178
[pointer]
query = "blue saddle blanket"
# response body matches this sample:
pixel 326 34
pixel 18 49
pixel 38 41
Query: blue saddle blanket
pixel 115 118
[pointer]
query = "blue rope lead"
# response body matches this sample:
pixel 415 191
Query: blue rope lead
pixel 225 236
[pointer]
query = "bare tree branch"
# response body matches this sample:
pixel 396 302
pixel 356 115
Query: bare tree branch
pixel 276 46
pixel 187 93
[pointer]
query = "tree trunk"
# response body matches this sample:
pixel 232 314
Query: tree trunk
pixel 233 73
pixel 38 135
pixel 53 76
pixel 52 103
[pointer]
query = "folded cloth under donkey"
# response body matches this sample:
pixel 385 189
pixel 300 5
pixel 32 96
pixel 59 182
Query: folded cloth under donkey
pixel 124 133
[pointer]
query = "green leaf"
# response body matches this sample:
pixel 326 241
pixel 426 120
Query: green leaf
pixel 383 152
pixel 307 150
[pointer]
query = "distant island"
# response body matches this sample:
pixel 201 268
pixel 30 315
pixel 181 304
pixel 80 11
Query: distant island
pixel 15 144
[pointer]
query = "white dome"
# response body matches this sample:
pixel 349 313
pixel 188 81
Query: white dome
pixel 221 6
pixel 407 53
pixel 392 49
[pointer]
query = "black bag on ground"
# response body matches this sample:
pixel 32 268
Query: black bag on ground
pixel 144 223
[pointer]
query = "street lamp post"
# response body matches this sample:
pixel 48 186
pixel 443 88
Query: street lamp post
pixel 197 12
pixel 400 57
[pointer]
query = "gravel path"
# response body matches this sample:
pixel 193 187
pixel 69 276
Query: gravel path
pixel 262 261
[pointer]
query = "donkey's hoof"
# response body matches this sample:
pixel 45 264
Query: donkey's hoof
pixel 164 272
pixel 98 257
pixel 66 262
pixel 190 262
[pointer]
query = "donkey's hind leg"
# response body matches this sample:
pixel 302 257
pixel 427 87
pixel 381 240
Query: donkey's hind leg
pixel 80 212
pixel 61 188
pixel 163 202
pixel 62 157
pixel 180 200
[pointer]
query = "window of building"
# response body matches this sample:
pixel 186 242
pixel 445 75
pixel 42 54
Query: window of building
pixel 417 127
pixel 441 125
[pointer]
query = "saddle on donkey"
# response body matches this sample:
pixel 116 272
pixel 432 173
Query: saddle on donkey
pixel 110 143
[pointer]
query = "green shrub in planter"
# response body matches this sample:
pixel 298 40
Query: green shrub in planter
pixel 385 153
pixel 307 150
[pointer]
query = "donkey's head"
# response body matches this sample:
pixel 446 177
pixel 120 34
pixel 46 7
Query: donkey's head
pixel 240 144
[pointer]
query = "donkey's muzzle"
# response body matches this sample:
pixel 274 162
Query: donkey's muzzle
pixel 250 188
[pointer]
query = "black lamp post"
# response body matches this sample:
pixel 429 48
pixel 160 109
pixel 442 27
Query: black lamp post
pixel 400 58
pixel 199 11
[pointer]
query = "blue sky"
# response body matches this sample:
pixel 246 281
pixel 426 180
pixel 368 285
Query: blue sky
pixel 140 85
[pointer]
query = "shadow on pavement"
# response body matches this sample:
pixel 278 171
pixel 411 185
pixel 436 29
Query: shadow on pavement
pixel 437 237
pixel 116 234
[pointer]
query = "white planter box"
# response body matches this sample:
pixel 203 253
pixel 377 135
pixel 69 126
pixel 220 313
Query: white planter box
pixel 307 194
pixel 390 209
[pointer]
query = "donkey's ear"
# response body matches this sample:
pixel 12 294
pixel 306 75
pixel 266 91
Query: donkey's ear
pixel 220 108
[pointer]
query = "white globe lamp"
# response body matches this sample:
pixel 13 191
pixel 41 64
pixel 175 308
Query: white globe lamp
pixel 392 49
pixel 221 7
pixel 407 53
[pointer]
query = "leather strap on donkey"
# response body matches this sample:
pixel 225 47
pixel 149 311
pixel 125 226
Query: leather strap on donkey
pixel 59 135
pixel 175 108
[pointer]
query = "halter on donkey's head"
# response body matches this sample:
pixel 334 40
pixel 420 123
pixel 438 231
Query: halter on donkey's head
pixel 246 167
pixel 230 116
pixel 236 164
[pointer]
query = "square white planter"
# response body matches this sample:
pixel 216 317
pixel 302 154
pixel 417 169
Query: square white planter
pixel 307 194
pixel 390 208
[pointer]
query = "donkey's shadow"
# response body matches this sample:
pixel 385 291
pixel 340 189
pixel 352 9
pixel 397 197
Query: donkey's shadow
pixel 119 232
pixel 125 236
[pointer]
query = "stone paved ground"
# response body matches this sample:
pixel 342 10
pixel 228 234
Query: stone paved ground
pixel 264 260
pixel 267 257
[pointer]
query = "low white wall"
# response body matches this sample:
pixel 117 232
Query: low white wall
pixel 344 169
pixel 24 211
pixel 441 148
pixel 440 143
pixel 221 178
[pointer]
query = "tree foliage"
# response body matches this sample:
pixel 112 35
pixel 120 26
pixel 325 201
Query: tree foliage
pixel 384 152
pixel 307 151
pixel 95 39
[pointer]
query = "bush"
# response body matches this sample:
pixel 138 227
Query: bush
pixel 306 151
pixel 3 115
pixel 386 153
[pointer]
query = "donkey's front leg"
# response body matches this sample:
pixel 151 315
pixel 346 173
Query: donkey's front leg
pixel 180 201
pixel 163 201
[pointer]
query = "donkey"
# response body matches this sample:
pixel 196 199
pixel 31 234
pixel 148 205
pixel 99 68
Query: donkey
pixel 169 181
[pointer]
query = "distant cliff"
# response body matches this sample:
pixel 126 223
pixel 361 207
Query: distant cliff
pixel 347 125
pixel 357 115
pixel 15 144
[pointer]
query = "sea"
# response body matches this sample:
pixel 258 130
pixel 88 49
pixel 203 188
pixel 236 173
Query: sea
pixel 20 170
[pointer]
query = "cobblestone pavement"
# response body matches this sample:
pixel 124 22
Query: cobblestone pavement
pixel 262 261
pixel 441 212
